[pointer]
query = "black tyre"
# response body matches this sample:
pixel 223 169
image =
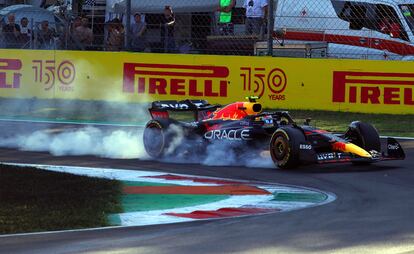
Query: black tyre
pixel 157 138
pixel 364 135
pixel 284 147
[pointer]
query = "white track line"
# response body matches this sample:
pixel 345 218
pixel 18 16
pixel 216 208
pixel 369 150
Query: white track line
pixel 402 138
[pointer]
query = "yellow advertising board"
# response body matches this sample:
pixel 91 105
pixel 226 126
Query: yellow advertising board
pixel 289 83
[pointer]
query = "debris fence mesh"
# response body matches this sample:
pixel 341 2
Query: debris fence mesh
pixel 298 28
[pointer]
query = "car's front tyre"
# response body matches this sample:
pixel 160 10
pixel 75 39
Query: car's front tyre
pixel 284 147
pixel 365 136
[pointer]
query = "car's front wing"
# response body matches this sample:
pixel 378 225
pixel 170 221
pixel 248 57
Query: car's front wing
pixel 308 155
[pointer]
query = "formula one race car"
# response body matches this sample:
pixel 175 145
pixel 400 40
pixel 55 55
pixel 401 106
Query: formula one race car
pixel 244 124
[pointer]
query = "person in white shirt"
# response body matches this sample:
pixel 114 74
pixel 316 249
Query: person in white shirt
pixel 256 11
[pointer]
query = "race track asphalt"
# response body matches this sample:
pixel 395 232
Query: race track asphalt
pixel 373 213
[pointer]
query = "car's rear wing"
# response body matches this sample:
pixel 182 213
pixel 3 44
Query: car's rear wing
pixel 201 108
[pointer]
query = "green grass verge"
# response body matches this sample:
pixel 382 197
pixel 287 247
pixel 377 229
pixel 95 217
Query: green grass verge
pixel 33 200
pixel 386 124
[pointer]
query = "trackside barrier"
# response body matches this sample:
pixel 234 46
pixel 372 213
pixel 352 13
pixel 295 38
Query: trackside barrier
pixel 289 83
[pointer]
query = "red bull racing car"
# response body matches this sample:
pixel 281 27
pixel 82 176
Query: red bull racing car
pixel 246 126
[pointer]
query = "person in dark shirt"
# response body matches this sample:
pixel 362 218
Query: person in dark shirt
pixel 138 33
pixel 167 30
pixel 46 36
pixel 25 33
pixel 11 32
pixel 71 36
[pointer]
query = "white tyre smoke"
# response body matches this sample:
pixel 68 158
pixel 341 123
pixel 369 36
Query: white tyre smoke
pixel 86 141
pixel 124 144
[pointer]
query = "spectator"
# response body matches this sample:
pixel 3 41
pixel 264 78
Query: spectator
pixel 225 24
pixel 256 11
pixel 83 33
pixel 116 35
pixel 25 33
pixel 77 22
pixel 11 32
pixel 167 30
pixel 138 30
pixel 391 27
pixel 1 34
pixel 70 35
pixel 46 36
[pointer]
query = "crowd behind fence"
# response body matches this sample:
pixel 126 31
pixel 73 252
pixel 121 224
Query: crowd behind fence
pixel 232 28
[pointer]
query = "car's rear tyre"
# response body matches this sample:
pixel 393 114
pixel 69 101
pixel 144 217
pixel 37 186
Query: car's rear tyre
pixel 284 147
pixel 156 138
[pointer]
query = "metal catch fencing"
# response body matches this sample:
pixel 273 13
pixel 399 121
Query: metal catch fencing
pixel 365 29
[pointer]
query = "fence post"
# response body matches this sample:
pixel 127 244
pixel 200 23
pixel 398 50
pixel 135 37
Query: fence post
pixel 75 7
pixel 35 31
pixel 270 25
pixel 128 25
pixel 32 33
pixel 67 34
